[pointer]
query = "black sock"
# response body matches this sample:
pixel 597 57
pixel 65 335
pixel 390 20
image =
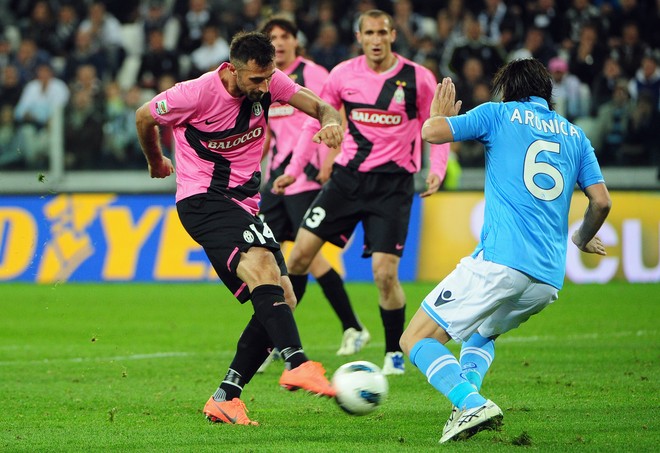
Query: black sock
pixel 334 290
pixel 393 322
pixel 276 317
pixel 231 387
pixel 299 283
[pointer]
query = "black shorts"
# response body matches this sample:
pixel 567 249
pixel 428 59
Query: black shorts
pixel 225 230
pixel 381 201
pixel 284 213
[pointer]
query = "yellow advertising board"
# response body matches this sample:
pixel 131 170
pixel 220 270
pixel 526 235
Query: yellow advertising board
pixel 451 223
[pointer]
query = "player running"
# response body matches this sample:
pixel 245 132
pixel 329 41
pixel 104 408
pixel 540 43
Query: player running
pixel 284 213
pixel 386 99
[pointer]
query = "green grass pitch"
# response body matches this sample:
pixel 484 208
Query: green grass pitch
pixel 128 367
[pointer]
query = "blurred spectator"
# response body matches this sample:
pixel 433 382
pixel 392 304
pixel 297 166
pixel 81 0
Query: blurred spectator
pixel 83 132
pixel 6 55
pixel 410 27
pixel 579 13
pixel 572 97
pixel 156 16
pixel 631 50
pixel 40 99
pixel 157 61
pixel 10 154
pixel 471 76
pixel 194 19
pixel 27 58
pixel 40 26
pixel 534 46
pixel 87 80
pixel 85 53
pixel 650 28
pixel 602 89
pixel 646 82
pixel 64 36
pixel 213 51
pixel 625 11
pixel 250 17
pixel 643 134
pixel 326 49
pixel 106 34
pixel 544 15
pixel 121 141
pixel 495 18
pixel 612 124
pixel 10 86
pixel 588 56
pixel 472 45
pixel 427 49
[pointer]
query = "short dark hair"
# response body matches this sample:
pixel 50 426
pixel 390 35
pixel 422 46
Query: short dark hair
pixel 374 14
pixel 253 45
pixel 282 22
pixel 520 79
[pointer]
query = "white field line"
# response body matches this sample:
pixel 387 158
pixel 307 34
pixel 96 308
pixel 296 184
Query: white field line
pixel 165 355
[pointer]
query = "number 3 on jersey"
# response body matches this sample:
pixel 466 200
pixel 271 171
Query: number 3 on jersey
pixel 534 168
pixel 314 218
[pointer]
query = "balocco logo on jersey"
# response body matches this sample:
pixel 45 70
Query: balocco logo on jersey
pixel 280 110
pixel 236 141
pixel 373 117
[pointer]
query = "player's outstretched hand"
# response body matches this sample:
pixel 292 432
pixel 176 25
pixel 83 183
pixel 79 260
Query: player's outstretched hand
pixel 330 134
pixel 595 245
pixel 444 100
pixel 281 183
pixel 432 185
pixel 161 169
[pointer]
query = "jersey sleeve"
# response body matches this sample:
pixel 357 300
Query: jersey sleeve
pixel 439 154
pixel 589 172
pixel 282 88
pixel 176 105
pixel 476 124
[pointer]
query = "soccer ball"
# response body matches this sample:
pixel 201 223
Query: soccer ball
pixel 361 387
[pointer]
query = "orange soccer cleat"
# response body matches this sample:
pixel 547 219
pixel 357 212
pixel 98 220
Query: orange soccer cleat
pixel 309 376
pixel 232 412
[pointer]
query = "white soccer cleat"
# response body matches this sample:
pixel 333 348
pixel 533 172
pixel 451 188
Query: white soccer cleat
pixel 393 363
pixel 353 341
pixel 449 424
pixel 468 422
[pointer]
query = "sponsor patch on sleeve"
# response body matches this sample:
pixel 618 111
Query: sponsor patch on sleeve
pixel 161 107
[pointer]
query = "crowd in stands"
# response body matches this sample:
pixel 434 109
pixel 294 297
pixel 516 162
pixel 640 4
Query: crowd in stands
pixel 95 62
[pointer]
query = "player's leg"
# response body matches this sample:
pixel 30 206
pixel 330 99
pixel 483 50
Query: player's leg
pixel 392 306
pixel 355 336
pixel 305 248
pixel 477 354
pixel 424 343
pixel 260 271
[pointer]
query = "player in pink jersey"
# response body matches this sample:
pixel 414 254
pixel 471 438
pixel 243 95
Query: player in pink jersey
pixel 284 213
pixel 386 99
pixel 219 122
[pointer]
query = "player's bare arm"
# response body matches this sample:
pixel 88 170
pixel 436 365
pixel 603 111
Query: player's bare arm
pixel 436 128
pixel 331 132
pixel 147 131
pixel 599 207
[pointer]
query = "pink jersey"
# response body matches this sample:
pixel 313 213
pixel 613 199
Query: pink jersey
pixel 218 138
pixel 286 123
pixel 385 113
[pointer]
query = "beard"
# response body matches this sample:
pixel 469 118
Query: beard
pixel 254 96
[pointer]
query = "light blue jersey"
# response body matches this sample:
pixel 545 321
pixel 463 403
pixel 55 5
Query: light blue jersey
pixel 534 158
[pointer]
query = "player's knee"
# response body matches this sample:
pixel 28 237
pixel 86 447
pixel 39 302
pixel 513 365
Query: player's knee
pixel 299 261
pixel 385 278
pixel 257 267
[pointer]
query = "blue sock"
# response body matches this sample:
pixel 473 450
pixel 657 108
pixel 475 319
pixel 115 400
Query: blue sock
pixel 444 373
pixel 477 353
